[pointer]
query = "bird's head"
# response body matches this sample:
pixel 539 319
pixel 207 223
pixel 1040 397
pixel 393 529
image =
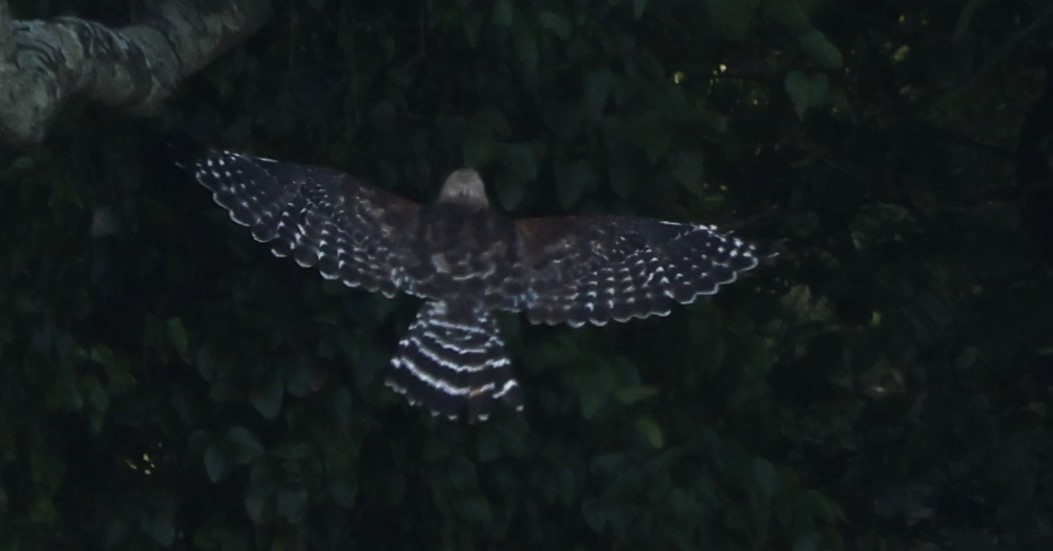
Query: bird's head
pixel 464 187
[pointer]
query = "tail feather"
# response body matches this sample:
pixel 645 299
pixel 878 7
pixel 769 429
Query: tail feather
pixel 454 362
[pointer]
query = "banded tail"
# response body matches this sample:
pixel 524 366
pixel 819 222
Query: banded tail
pixel 454 362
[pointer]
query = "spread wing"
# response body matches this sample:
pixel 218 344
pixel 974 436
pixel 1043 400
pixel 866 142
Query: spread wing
pixel 597 268
pixel 352 231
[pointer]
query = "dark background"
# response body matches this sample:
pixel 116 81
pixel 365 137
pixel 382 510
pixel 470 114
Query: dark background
pixel 885 384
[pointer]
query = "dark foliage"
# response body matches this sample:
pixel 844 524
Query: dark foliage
pixel 885 384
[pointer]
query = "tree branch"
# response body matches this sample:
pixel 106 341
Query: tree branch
pixel 45 63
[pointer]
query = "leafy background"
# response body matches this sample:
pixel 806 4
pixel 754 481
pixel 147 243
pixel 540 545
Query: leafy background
pixel 886 384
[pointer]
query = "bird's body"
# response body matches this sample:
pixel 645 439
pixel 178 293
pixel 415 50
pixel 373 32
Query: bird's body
pixel 466 252
pixel 466 261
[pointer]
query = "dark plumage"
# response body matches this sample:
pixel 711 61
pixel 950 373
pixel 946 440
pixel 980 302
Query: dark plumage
pixel 466 261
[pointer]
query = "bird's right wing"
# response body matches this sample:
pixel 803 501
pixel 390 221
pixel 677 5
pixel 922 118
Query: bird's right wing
pixel 597 268
pixel 352 231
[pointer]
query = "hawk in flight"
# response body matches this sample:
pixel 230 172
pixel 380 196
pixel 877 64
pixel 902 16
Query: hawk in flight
pixel 467 261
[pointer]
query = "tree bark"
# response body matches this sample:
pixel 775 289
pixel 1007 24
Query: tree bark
pixel 43 64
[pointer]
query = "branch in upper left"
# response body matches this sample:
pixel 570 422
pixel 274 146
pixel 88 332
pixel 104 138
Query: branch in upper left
pixel 44 63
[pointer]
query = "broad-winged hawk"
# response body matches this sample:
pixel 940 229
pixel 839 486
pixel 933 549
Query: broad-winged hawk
pixel 467 261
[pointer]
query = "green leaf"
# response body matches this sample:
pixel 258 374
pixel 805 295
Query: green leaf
pixel 687 168
pixel 818 505
pixel 343 408
pixel 598 85
pixel 488 447
pixel 503 12
pixel 344 491
pixel 525 40
pixel 257 507
pixel 512 437
pixel 473 23
pixel 382 115
pixel 490 122
pixel 571 181
pixel 245 446
pixel 216 464
pixel 594 388
pixel 392 489
pixel 520 162
pixel 42 510
pixel 626 169
pixel 118 369
pixel 291 504
pixel 20 164
pixel 474 509
pixel 461 473
pixel 806 91
pixel 633 394
pixel 177 336
pixel 714 120
pixel 821 50
pixel 656 144
pixel 47 468
pixel 98 399
pixel 259 493
pixel 555 22
pixel 520 159
pixel 787 14
pixel 297 450
pixel 160 526
pixel 63 393
pixel 609 464
pixel 510 191
pixel 548 490
pixel 117 533
pixel 651 433
pixel 838 101
pixel 638 8
pixel 567 486
pixel 563 117
pixel 302 377
pixel 267 399
pixel 732 18
pixel 595 515
pixel 766 477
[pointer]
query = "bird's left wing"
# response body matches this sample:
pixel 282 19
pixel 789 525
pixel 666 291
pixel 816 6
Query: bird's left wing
pixel 352 231
pixel 596 268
